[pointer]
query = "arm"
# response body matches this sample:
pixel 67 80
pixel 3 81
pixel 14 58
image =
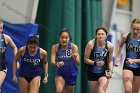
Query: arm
pixel 118 51
pixel 10 42
pixel 110 63
pixel 130 61
pixel 53 56
pixel 45 64
pixel 17 56
pixel 88 50
pixel 75 54
pixel 136 60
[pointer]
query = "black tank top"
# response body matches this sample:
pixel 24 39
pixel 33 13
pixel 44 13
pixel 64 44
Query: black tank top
pixel 2 52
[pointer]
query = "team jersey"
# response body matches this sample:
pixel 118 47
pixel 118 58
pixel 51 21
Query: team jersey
pixel 132 50
pixel 99 54
pixel 30 65
pixel 69 68
pixel 2 52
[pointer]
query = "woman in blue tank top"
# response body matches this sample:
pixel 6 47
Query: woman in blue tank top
pixel 65 57
pixel 30 70
pixel 4 41
pixel 98 58
pixel 131 66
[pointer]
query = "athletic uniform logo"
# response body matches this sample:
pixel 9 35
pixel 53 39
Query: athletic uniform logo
pixel 34 61
pixel 132 50
pixel 68 52
pixel 133 47
pixel 101 55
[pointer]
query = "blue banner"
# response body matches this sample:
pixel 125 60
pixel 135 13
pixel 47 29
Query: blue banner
pixel 19 34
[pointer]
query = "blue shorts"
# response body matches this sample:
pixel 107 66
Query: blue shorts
pixel 69 79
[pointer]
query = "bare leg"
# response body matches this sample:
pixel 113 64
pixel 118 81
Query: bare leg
pixel 59 84
pixel 2 77
pixel 93 86
pixel 136 84
pixel 68 89
pixel 34 85
pixel 127 80
pixel 24 85
pixel 103 83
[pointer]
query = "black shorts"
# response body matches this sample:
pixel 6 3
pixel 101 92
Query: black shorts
pixel 136 71
pixel 4 70
pixel 94 76
pixel 28 79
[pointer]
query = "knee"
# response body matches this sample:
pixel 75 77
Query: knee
pixel 59 90
pixel 101 90
pixel 128 90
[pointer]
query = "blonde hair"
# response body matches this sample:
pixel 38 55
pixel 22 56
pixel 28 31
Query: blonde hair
pixel 137 21
pixel 1 22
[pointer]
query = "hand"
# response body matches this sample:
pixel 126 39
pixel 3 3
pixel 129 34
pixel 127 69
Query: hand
pixel 117 62
pixel 108 74
pixel 15 79
pixel 59 64
pixel 74 55
pixel 45 80
pixel 100 63
pixel 130 61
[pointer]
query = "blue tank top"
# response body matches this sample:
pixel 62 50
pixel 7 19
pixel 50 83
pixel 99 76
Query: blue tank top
pixel 99 54
pixel 69 68
pixel 2 52
pixel 132 50
pixel 30 65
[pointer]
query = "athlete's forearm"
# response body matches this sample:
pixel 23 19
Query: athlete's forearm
pixel 53 63
pixel 110 66
pixel 118 52
pixel 89 61
pixel 14 68
pixel 136 60
pixel 46 69
pixel 15 50
pixel 77 60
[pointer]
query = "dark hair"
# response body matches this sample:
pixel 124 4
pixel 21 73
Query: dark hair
pixel 135 21
pixel 67 31
pixel 101 28
pixel 33 40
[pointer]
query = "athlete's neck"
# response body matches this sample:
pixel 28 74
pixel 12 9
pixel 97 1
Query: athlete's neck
pixel 64 47
pixel 32 53
pixel 135 36
pixel 101 44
